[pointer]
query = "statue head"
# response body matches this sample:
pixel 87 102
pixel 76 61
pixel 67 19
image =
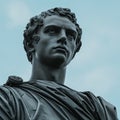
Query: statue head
pixel 35 24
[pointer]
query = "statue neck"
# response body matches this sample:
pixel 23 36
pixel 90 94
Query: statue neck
pixel 42 72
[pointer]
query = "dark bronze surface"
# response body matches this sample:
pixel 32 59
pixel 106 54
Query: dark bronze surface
pixel 51 41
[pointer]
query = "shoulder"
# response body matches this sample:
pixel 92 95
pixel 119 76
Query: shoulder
pixel 103 107
pixel 109 108
pixel 7 101
pixel 14 80
pixel 10 98
pixel 8 88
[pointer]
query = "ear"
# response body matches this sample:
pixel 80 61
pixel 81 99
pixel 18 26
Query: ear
pixel 32 47
pixel 35 40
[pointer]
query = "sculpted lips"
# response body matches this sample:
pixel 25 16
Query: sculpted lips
pixel 61 49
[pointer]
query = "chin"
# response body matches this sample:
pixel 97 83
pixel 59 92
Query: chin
pixel 58 61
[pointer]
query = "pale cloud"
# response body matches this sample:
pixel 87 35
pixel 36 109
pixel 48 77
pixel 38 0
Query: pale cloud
pixel 18 13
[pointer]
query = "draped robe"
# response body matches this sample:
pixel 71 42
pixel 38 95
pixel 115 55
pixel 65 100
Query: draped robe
pixel 47 100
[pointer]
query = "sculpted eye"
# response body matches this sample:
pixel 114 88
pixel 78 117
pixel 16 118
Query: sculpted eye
pixel 71 35
pixel 51 30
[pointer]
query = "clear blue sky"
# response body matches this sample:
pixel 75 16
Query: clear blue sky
pixel 95 68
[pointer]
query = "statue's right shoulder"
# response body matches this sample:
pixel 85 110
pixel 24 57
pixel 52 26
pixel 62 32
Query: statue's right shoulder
pixel 13 81
pixel 8 97
pixel 10 83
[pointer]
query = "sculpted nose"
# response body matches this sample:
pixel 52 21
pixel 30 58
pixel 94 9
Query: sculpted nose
pixel 63 37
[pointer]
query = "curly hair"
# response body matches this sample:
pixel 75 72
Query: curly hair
pixel 36 22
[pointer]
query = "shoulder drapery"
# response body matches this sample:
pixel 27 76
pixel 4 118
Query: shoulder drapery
pixel 47 100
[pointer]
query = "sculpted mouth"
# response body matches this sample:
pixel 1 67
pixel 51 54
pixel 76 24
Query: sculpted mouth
pixel 61 50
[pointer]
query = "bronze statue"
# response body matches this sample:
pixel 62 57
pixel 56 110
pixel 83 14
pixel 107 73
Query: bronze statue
pixel 51 41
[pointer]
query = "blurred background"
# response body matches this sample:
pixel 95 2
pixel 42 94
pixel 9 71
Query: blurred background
pixel 95 68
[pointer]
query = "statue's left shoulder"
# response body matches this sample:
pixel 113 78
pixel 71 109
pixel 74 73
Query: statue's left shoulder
pixel 103 108
pixel 110 109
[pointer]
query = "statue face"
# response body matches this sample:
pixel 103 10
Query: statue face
pixel 57 42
